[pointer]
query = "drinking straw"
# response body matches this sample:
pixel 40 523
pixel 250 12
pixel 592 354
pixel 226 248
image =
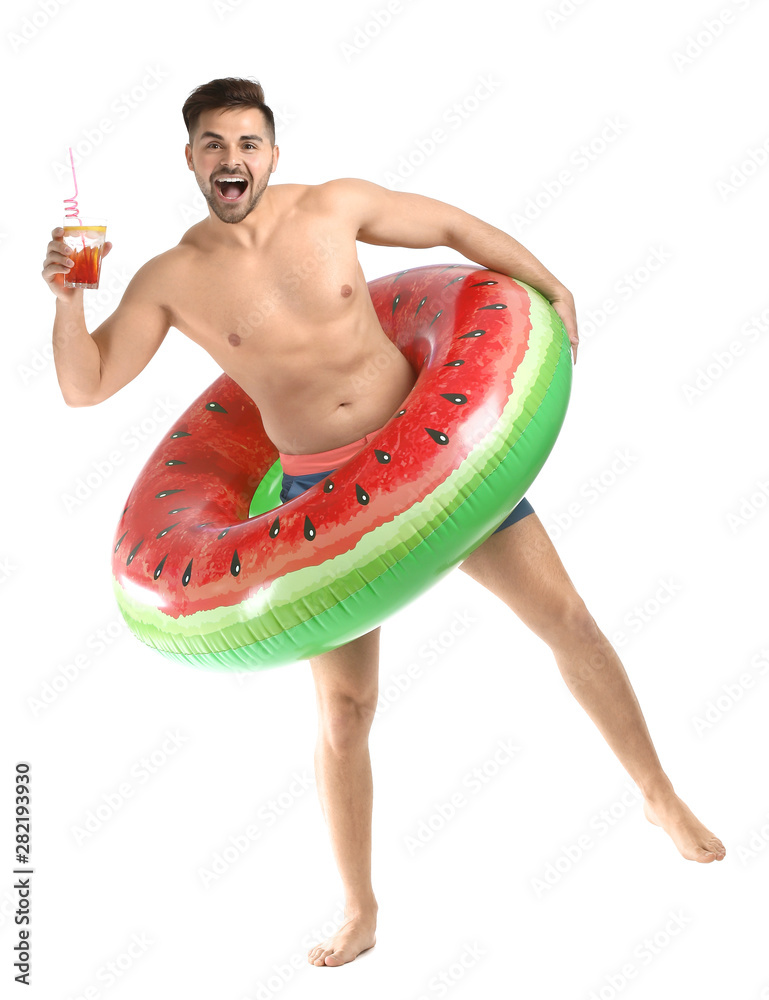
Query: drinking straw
pixel 71 211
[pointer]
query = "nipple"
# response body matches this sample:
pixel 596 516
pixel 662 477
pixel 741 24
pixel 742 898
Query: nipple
pixel 234 339
pixel 346 291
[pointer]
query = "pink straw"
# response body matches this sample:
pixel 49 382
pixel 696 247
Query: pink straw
pixel 72 209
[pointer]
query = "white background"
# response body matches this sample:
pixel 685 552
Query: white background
pixel 678 92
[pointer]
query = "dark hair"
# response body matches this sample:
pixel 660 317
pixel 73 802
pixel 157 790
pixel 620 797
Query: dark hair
pixel 229 92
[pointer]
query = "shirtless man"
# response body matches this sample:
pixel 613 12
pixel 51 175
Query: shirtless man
pixel 270 285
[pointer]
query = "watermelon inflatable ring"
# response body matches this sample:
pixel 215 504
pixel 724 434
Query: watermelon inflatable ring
pixel 210 569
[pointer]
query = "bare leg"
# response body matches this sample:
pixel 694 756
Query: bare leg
pixel 521 567
pixel 346 687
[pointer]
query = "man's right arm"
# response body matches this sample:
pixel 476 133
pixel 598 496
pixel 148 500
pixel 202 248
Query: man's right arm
pixel 92 367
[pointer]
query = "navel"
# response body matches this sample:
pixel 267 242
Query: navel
pixel 346 291
pixel 234 339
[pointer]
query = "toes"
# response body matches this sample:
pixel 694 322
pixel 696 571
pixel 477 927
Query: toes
pixel 335 958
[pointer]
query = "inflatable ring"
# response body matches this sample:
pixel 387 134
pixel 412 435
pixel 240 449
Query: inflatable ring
pixel 210 569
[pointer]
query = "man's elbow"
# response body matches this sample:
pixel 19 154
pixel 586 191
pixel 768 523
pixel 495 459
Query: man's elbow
pixel 74 401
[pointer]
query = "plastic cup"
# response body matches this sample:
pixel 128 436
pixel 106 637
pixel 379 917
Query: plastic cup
pixel 86 242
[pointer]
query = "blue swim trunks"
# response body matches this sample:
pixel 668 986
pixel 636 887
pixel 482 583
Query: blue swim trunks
pixel 294 485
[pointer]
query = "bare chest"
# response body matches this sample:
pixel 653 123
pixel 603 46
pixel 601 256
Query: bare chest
pixel 270 301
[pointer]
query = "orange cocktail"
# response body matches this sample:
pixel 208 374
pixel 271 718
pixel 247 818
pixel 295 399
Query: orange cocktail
pixel 85 243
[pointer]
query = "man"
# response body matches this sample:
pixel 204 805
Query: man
pixel 270 285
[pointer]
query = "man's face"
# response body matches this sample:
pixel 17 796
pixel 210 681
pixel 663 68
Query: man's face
pixel 232 143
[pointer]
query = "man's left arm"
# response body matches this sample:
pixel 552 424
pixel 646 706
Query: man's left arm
pixel 401 219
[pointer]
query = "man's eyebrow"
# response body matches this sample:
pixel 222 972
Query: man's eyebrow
pixel 213 135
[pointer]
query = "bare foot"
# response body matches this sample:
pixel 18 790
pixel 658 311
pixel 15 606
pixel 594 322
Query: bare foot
pixel 354 936
pixel 692 839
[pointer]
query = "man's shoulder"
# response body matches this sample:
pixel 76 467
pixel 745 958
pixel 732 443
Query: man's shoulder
pixel 350 196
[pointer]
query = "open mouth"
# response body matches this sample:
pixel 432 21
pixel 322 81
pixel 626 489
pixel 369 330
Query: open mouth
pixel 231 188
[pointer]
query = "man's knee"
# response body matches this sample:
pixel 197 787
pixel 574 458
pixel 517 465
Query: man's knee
pixel 575 624
pixel 346 719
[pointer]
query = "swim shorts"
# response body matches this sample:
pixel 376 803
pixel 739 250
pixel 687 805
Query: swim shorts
pixel 300 472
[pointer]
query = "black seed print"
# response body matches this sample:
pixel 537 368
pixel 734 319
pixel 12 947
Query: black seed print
pixel 473 333
pixel 440 311
pixel 235 564
pixel 175 461
pixel 363 497
pixel 120 540
pixel 132 553
pixel 222 534
pixel 203 524
pixel 401 273
pixel 495 305
pixel 396 300
pixel 382 457
pixel 166 493
pixel 124 510
pixel 166 530
pixel 309 529
pixel 460 278
pixel 159 567
pixel 479 283
pixel 400 413
pixel 215 407
pixel 180 434
pixel 420 305
pixel 176 510
pixel 187 574
pixel 453 364
pixel 328 486
pixel 454 397
pixel 438 436
pixel 275 527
